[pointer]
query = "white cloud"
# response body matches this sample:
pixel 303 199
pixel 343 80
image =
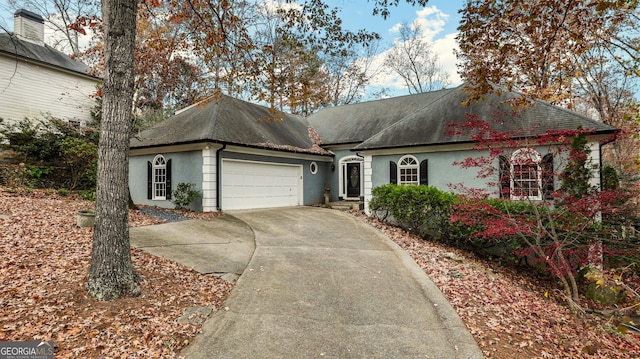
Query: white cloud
pixel 270 7
pixel 431 22
pixel 445 48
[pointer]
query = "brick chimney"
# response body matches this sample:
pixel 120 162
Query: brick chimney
pixel 29 26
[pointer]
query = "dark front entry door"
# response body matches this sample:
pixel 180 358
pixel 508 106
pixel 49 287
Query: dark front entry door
pixel 353 180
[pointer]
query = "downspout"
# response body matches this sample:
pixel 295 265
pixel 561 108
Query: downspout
pixel 219 176
pixel 600 165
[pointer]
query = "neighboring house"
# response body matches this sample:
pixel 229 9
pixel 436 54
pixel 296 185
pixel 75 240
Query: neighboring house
pixel 239 157
pixel 37 81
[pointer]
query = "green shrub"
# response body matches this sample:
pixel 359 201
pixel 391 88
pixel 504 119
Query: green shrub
pixel 184 195
pixel 45 145
pixel 63 192
pixel 81 159
pixel 422 210
pixel 35 140
pixel 36 174
pixel 427 211
pixel 88 195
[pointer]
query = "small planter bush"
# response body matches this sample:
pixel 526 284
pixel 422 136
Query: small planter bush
pixel 184 195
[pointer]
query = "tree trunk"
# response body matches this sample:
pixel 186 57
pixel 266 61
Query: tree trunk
pixel 112 275
pixel 132 205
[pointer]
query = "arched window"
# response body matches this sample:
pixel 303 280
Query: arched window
pixel 408 169
pixel 526 174
pixel 159 178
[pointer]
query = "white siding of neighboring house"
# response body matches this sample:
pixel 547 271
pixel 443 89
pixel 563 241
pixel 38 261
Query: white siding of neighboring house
pixel 37 91
pixel 594 163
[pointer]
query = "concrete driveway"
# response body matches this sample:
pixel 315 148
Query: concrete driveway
pixel 320 284
pixel 222 246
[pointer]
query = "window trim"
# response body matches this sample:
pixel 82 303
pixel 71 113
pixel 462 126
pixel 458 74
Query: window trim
pixel 156 184
pixel 414 167
pixel 531 158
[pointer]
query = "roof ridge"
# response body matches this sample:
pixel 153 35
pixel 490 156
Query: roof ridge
pixel 394 98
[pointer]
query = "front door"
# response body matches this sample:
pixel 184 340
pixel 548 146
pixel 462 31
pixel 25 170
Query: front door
pixel 353 180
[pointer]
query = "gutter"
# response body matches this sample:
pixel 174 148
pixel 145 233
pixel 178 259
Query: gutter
pixel 219 176
pixel 18 57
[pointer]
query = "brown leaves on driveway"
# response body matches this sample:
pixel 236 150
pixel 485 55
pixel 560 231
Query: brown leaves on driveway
pixel 44 264
pixel 507 312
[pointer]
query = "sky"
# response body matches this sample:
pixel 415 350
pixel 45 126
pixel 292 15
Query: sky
pixel 439 21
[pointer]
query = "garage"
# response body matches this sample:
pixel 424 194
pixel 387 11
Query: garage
pixel 248 184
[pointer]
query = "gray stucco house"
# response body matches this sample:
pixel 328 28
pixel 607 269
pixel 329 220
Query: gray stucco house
pixel 241 155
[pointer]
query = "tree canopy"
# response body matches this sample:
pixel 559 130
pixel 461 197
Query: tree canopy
pixel 541 47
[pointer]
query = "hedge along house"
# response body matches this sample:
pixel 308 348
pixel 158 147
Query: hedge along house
pixel 242 156
pixel 237 154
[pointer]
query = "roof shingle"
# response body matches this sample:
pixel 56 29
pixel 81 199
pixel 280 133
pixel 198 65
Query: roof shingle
pixel 433 124
pixel 231 121
pixel 13 46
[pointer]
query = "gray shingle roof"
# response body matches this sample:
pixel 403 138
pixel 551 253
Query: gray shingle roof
pixel 357 122
pixel 231 121
pixel 432 124
pixel 415 120
pixel 12 46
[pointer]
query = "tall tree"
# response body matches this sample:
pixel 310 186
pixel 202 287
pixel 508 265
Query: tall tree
pixel 218 33
pixel 412 58
pixel 530 46
pixel 605 91
pixel 349 73
pixel 112 275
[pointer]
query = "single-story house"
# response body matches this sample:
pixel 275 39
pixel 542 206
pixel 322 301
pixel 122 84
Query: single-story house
pixel 38 81
pixel 241 155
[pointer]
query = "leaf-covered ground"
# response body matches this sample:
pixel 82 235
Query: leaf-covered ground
pixel 44 263
pixel 507 312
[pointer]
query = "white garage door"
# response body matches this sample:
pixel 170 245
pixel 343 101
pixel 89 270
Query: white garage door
pixel 248 185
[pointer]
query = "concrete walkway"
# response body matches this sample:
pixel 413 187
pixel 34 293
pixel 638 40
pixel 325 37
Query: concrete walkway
pixel 322 284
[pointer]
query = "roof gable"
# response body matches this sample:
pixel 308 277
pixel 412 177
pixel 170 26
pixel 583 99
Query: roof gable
pixel 232 121
pixel 433 124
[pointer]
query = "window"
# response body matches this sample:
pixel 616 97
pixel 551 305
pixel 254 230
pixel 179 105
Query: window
pixel 408 169
pixel 526 177
pixel 74 124
pixel 159 179
pixel 313 167
pixel 526 173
